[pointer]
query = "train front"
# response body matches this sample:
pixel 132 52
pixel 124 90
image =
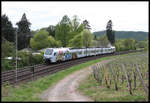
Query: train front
pixel 48 55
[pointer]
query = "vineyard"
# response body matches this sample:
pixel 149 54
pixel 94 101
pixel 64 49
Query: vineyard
pixel 126 73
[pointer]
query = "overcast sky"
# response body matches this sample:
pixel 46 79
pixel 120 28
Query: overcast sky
pixel 126 16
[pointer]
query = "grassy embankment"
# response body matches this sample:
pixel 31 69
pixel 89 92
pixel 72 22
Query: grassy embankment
pixel 92 88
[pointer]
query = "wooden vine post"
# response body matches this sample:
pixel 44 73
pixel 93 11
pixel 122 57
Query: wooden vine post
pixel 106 77
pixel 129 86
pixel 116 87
pixel 141 80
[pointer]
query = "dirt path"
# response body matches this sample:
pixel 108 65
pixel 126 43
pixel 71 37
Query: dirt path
pixel 65 90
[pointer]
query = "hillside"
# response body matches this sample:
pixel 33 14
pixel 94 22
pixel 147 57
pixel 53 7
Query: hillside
pixel 139 35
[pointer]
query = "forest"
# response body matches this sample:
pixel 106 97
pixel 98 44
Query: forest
pixel 137 35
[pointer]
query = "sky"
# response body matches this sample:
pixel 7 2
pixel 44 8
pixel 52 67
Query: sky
pixel 125 16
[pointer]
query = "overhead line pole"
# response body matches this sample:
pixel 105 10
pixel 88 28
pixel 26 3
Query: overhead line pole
pixel 16 55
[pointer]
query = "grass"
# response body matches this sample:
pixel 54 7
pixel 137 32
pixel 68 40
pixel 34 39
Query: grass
pixel 31 91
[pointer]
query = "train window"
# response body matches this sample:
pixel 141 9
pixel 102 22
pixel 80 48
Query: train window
pixel 48 51
pixel 55 54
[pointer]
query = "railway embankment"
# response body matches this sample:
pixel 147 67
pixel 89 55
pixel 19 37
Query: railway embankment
pixel 31 91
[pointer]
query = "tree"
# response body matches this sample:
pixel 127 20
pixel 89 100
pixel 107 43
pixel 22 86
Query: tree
pixel 63 30
pixel 51 30
pixel 75 27
pixel 40 40
pixel 7 48
pixel 77 41
pixel 146 48
pixel 102 41
pixel 86 25
pixel 8 32
pixel 23 32
pixel 87 38
pixel 141 44
pixel 130 44
pixel 125 44
pixel 119 44
pixel 110 32
pixel 52 43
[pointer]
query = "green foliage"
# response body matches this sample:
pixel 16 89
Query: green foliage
pixel 146 47
pixel 125 44
pixel 87 38
pixel 102 41
pixel 28 59
pixel 67 31
pixel 76 41
pixel 110 33
pixel 62 30
pixel 130 44
pixel 8 49
pixel 7 30
pixel 137 35
pixel 53 43
pixel 75 27
pixel 86 24
pixel 38 59
pixel 40 40
pixel 111 36
pixel 7 65
pixel 23 32
pixel 141 44
pixel 119 45
pixel 51 30
pixel 25 56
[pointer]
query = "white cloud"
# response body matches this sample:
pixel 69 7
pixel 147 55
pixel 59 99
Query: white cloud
pixel 124 15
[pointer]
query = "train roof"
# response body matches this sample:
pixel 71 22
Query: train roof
pixel 70 48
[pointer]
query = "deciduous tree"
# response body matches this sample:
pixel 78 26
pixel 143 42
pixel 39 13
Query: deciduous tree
pixel 63 30
pixel 87 38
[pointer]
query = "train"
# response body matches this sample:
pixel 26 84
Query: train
pixel 54 55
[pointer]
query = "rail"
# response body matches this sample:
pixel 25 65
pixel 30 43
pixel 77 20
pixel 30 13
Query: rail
pixel 33 72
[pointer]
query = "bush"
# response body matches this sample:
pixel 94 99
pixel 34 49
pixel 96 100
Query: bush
pixel 8 49
pixel 25 58
pixel 38 59
pixel 7 65
pixel 29 59
pixel 125 44
pixel 146 47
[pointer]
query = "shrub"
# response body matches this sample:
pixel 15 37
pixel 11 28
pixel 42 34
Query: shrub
pixel 7 65
pixel 38 59
pixel 8 49
pixel 25 58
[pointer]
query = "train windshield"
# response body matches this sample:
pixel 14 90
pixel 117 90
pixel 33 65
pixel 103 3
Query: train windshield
pixel 48 51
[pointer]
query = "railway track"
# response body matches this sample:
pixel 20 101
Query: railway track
pixel 34 72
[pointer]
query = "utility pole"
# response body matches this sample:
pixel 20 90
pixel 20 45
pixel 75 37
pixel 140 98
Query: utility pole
pixel 16 54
